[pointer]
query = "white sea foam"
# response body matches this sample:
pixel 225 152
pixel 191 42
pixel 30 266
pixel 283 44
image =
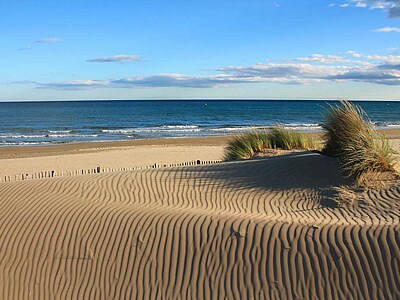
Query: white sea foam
pixel 70 135
pixel 60 131
pixel 20 136
pixel 294 126
pixel 36 136
pixel 164 128
pixel 303 126
pixel 23 143
pixel 235 129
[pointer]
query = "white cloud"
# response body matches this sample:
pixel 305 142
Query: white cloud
pixel 49 40
pixel 387 29
pixel 74 85
pixel 354 53
pixel 361 4
pixel 116 58
pixel 375 57
pixel 344 5
pixel 319 58
pixel 293 73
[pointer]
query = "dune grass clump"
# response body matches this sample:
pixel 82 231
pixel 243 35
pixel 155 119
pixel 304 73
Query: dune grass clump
pixel 259 140
pixel 350 137
pixel 247 145
pixel 282 138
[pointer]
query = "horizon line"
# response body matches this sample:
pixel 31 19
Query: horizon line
pixel 199 99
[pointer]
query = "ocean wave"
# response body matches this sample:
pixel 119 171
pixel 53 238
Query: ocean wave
pixel 239 128
pixel 20 136
pixel 387 124
pixel 294 126
pixel 24 143
pixel 163 128
pixel 60 131
pixel 179 126
pixel 43 136
pixel 70 135
pixel 303 126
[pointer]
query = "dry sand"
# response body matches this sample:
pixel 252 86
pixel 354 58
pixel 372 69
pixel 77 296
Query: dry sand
pixel 109 155
pixel 259 229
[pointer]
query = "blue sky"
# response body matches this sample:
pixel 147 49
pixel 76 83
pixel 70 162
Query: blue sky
pixel 152 49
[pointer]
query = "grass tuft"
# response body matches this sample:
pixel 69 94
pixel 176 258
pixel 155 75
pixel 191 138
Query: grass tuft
pixel 282 138
pixel 351 138
pixel 247 145
pixel 259 140
pixel 239 148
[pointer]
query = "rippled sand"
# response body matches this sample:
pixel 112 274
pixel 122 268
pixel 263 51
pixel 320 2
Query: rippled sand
pixel 259 229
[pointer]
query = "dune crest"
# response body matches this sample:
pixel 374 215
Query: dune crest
pixel 265 229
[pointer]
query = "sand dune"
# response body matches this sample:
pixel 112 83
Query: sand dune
pixel 259 229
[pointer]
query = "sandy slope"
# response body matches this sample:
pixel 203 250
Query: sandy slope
pixel 263 229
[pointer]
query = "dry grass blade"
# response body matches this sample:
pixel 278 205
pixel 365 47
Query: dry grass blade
pixel 345 197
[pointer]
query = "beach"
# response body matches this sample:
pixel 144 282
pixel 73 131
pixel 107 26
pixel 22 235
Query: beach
pixel 200 150
pixel 113 155
pixel 266 228
pixel 121 154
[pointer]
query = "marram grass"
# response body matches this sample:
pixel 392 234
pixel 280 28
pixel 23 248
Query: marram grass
pixel 247 145
pixel 281 138
pixel 350 137
pixel 240 147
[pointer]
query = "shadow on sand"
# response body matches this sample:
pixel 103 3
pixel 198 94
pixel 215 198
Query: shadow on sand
pixel 294 171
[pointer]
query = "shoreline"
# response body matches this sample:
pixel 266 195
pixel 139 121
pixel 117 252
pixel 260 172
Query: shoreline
pixel 79 157
pixel 10 152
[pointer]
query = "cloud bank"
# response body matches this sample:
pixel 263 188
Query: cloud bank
pixel 317 68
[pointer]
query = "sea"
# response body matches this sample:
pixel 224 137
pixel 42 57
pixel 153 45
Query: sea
pixel 57 122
